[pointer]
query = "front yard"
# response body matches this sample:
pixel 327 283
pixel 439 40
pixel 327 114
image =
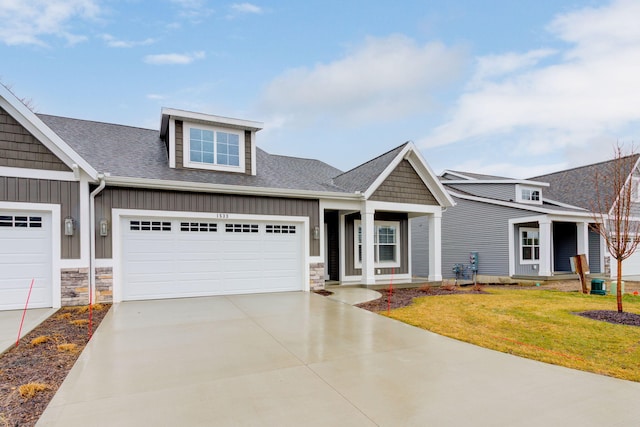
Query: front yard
pixel 536 324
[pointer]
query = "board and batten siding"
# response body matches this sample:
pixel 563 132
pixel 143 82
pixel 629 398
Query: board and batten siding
pixel 180 147
pixel 506 192
pixel 63 193
pixel 469 227
pixel 349 238
pixel 594 252
pixel 404 185
pixel 419 246
pixel 161 200
pixel 20 149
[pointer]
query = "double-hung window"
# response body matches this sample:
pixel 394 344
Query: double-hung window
pixel 528 195
pixel 386 244
pixel 211 148
pixel 529 245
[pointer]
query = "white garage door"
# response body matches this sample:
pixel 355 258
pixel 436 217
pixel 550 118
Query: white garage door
pixel 630 267
pixel 169 257
pixel 25 255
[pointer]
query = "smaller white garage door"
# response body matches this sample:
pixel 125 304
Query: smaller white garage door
pixel 25 255
pixel 173 257
pixel 630 267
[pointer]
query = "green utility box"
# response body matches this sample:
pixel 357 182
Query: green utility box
pixel 613 289
pixel 598 287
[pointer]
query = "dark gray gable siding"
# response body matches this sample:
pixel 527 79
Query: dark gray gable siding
pixel 468 226
pixel 505 192
pixel 404 185
pixel 63 193
pixel 349 267
pixel 20 149
pixel 129 198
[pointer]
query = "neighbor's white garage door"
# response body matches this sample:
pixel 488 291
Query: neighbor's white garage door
pixel 630 266
pixel 169 257
pixel 25 255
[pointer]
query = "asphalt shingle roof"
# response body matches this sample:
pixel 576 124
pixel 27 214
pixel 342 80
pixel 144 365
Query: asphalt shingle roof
pixel 577 186
pixel 126 151
pixel 360 178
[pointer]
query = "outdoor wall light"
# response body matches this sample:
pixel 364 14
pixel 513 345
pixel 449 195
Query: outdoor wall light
pixel 104 227
pixel 316 233
pixel 69 226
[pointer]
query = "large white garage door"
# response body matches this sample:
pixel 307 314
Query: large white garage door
pixel 630 266
pixel 25 255
pixel 169 257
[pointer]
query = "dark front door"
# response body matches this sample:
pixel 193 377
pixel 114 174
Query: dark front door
pixel 565 245
pixel 333 244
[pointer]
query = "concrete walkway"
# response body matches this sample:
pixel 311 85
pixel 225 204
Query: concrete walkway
pixel 300 359
pixel 352 295
pixel 10 324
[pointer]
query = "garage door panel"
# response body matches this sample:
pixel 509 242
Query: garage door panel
pixel 25 255
pixel 203 257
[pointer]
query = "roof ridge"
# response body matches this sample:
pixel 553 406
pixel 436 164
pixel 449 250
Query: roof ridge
pixel 96 121
pixel 588 165
pixel 371 160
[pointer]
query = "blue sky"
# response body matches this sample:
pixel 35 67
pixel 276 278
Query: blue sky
pixel 494 86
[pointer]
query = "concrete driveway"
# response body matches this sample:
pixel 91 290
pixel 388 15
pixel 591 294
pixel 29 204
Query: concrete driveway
pixel 299 359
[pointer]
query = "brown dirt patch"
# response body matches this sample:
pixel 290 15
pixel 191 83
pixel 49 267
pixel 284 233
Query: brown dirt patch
pixel 323 292
pixel 41 361
pixel 402 297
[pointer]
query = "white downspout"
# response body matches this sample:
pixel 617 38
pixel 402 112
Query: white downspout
pixel 92 236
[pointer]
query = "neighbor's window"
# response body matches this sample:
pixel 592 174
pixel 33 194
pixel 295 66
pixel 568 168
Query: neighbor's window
pixel 529 194
pixel 529 245
pixel 210 148
pixel 386 245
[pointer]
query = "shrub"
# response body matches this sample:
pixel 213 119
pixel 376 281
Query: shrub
pixel 40 340
pixel 70 347
pixel 27 391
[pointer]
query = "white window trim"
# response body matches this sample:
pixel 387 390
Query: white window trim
pixel 186 152
pixel 377 264
pixel 519 198
pixel 528 261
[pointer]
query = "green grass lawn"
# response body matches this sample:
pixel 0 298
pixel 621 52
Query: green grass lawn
pixel 537 324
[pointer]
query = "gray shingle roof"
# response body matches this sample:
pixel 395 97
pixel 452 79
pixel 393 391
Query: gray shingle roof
pixel 480 176
pixel 576 186
pixel 361 177
pixel 126 151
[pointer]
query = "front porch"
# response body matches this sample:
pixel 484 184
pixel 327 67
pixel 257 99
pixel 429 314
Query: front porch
pixel 371 246
pixel 541 247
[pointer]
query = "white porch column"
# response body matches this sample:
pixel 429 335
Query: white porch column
pixel 435 246
pixel 583 239
pixel 545 248
pixel 368 259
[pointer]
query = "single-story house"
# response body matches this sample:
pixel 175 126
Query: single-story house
pixel 522 228
pixel 193 208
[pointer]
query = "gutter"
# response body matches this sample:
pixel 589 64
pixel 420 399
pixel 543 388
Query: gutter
pixel 228 189
pixel 92 237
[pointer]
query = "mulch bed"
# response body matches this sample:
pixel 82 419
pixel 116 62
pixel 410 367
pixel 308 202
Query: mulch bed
pixel 46 363
pixel 624 318
pixel 323 292
pixel 402 297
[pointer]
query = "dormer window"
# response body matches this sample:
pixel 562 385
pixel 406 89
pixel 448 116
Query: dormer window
pixel 207 147
pixel 528 195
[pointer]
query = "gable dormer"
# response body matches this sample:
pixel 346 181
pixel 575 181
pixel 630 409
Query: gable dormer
pixel 527 193
pixel 208 142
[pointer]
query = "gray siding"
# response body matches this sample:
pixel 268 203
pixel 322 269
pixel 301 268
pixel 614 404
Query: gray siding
pixel 504 192
pixel 594 252
pixel 247 152
pixel 404 185
pixel 63 193
pixel 127 198
pixel 349 267
pixel 20 149
pixel 469 227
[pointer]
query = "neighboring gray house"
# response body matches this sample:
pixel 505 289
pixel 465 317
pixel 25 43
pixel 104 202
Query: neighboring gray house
pixel 520 228
pixel 195 208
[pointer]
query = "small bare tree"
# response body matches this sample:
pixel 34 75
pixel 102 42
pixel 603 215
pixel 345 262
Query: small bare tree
pixel 616 195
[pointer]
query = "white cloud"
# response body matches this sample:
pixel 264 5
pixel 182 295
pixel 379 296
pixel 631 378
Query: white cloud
pixel 588 93
pixel 155 97
pixel 382 79
pixel 114 42
pixel 246 8
pixel 29 22
pixel 174 58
